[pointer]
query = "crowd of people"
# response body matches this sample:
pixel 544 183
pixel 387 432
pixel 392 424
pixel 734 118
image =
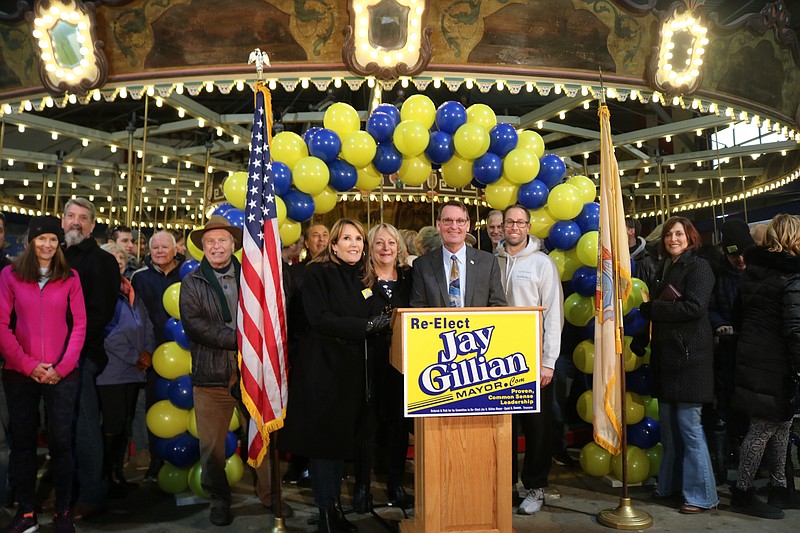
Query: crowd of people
pixel 79 323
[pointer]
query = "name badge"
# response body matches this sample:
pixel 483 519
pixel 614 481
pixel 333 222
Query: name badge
pixel 366 293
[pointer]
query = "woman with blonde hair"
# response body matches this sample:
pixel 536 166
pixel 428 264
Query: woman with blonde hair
pixel 768 364
pixel 328 413
pixel 389 280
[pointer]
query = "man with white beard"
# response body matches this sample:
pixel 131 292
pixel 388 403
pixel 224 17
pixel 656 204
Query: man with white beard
pixel 100 280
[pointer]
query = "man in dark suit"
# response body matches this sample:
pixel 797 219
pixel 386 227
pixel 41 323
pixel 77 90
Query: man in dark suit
pixel 456 275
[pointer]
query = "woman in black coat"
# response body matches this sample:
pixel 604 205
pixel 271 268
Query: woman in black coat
pixel 682 362
pixel 767 363
pixel 389 280
pixel 326 414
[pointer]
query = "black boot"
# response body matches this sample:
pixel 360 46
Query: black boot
pixel 115 490
pixel 746 502
pixel 783 498
pixel 118 463
pixel 339 521
pixel 324 525
pixel 360 498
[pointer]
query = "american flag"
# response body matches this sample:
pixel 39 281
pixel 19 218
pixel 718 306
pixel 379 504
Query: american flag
pixel 262 310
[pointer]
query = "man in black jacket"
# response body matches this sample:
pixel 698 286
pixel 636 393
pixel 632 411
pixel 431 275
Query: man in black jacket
pixel 209 303
pixel 100 280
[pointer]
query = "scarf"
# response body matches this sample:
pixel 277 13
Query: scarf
pixel 208 273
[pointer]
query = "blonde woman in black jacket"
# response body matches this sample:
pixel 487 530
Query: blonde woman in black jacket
pixel 768 363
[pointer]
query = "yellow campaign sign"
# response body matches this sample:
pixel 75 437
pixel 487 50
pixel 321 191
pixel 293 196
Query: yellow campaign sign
pixel 470 362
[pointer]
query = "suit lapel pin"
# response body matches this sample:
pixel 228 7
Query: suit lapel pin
pixel 471 262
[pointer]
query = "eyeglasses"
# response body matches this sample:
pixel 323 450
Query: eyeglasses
pixel 517 223
pixel 460 222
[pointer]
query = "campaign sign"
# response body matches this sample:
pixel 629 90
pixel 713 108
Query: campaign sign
pixel 469 362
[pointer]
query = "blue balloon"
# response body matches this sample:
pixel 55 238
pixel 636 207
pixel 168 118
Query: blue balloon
pixel 235 217
pixel 231 443
pixel 325 144
pixel 633 322
pixel 533 194
pixel 180 392
pixel 503 139
pixel 188 266
pixel 644 434
pixel 160 446
pixel 589 217
pixel 179 335
pixel 584 281
pixel 588 331
pixel 551 170
pixel 381 126
pixel 299 205
pixel 449 116
pixel 640 380
pixel 477 184
pixel 390 110
pixel 387 159
pixel 343 175
pixel 564 234
pixel 161 388
pixel 182 450
pixel 310 132
pixel 487 169
pixel 169 328
pixel 222 208
pixel 440 148
pixel 282 176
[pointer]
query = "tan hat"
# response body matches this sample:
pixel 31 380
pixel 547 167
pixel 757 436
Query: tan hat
pixel 217 222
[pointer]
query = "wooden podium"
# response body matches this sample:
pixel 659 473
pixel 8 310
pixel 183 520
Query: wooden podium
pixel 462 467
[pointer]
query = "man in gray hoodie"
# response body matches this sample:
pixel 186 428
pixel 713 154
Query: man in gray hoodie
pixel 530 278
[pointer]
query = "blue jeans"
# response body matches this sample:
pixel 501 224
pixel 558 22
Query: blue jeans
pixel 92 488
pixel 686 464
pixel 23 396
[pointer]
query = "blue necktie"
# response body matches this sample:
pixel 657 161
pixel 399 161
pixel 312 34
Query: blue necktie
pixel 454 290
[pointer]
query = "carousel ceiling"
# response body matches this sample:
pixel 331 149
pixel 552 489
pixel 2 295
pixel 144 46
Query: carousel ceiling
pixel 167 137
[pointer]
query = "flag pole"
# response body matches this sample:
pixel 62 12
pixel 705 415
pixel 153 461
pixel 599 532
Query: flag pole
pixel 624 516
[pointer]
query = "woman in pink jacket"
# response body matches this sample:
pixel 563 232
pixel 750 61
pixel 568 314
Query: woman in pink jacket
pixel 42 329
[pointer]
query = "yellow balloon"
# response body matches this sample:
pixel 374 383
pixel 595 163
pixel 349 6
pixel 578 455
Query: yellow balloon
pixel 471 141
pixel 170 361
pixel 586 249
pixel 420 108
pixel 520 166
pixel 165 420
pixel 583 356
pixel 530 140
pixel 325 201
pixel 501 194
pixel 639 293
pixel 457 172
pixel 194 251
pixel 358 148
pixel 584 406
pixel 634 408
pixel 235 423
pixel 310 175
pixel 342 119
pixel 411 138
pixel 238 254
pixel 171 300
pixel 578 310
pixel 482 115
pixel 586 189
pixel 234 469
pixel 235 188
pixel 288 147
pixel 289 231
pixel 564 202
pixel 595 460
pixel 632 361
pixel 191 423
pixel 415 170
pixel 541 222
pixel 281 207
pixel 368 178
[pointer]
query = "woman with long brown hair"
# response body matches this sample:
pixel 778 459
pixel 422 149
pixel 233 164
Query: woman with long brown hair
pixel 41 350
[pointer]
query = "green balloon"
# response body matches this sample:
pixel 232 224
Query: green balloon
pixel 195 483
pixel 595 460
pixel 638 465
pixel 234 469
pixel 650 407
pixel 578 310
pixel 583 356
pixel 584 406
pixel 172 479
pixel 654 456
